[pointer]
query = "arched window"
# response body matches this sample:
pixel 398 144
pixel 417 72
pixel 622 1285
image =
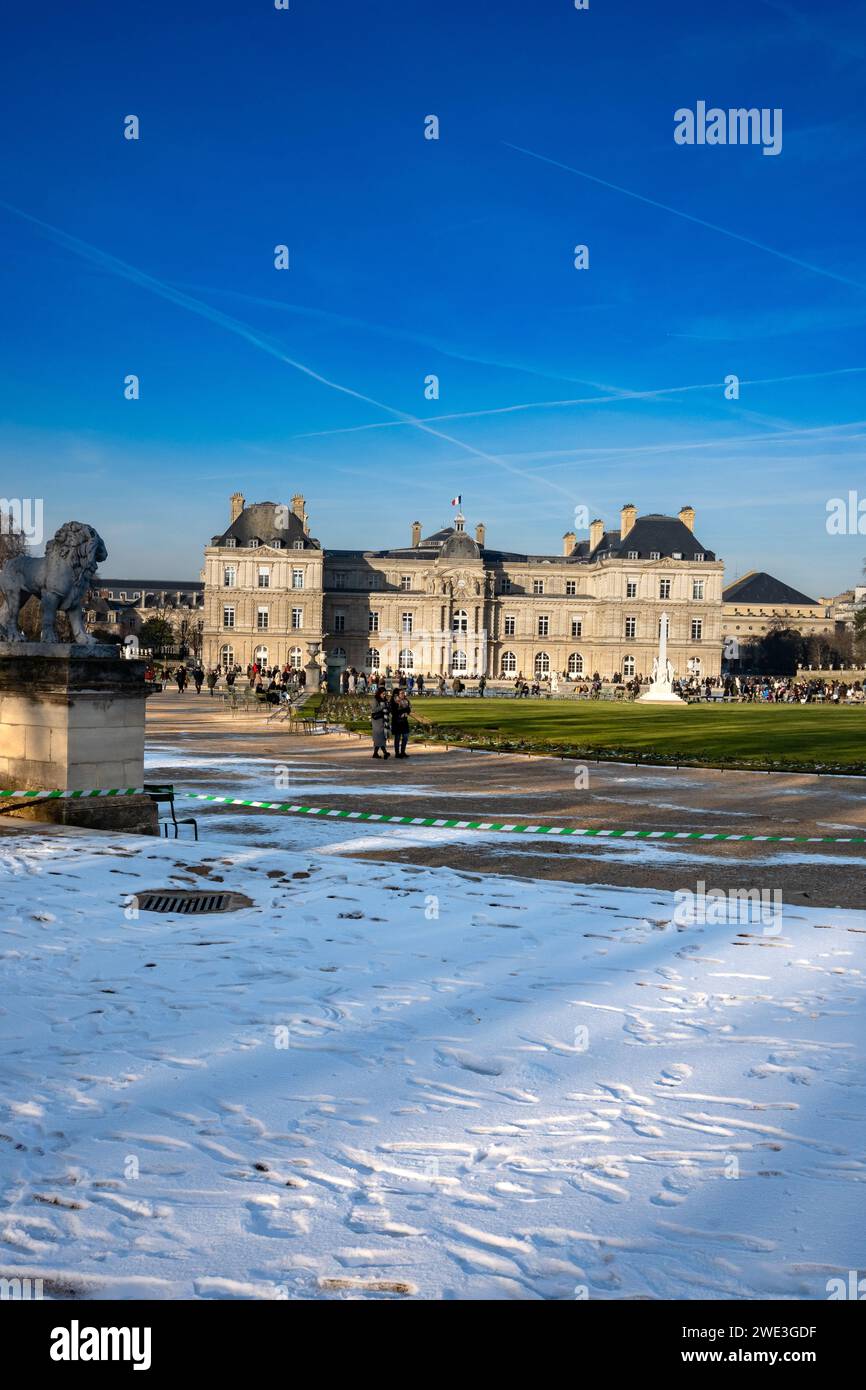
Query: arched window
pixel 373 659
pixel 542 664
pixel 509 664
pixel 460 621
pixel 338 654
pixel 227 657
pixel 458 660
pixel 261 655
pixel 628 665
pixel 295 658
pixel 575 664
pixel 407 660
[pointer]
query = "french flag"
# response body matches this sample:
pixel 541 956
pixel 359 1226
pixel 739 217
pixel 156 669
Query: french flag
pixel 455 501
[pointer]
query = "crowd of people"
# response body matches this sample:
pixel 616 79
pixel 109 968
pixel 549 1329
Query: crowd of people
pixel 271 683
pixel 788 690
pixel 275 684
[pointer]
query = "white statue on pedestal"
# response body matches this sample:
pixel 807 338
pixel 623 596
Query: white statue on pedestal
pixel 661 689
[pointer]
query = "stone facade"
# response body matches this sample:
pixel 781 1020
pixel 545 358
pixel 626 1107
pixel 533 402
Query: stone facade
pixel 448 604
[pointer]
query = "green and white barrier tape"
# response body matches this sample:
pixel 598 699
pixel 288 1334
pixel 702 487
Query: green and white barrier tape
pixel 444 823
pixel 73 796
pixel 515 827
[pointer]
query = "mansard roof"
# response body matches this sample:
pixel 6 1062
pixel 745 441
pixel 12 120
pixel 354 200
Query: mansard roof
pixel 651 534
pixel 760 587
pixel 261 521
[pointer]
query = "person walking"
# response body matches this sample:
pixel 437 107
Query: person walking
pixel 181 678
pixel 212 677
pixel 482 686
pixel 379 723
pixel 198 677
pixel 400 711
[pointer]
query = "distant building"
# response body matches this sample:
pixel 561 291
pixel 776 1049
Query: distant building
pixel 845 606
pixel 757 602
pixel 122 606
pixel 448 604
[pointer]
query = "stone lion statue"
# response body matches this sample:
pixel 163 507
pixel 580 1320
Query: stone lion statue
pixel 59 579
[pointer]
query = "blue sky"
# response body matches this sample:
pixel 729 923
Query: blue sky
pixel 454 257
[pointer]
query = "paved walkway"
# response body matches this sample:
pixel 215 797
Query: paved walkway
pixel 199 746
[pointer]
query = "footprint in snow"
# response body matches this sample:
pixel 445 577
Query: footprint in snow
pixel 675 1074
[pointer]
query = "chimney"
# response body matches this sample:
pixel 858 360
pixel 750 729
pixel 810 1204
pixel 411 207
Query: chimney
pixel 479 533
pixel 416 534
pixel 628 516
pixel 687 517
pixel 236 506
pixel 596 531
pixel 569 541
pixel 299 512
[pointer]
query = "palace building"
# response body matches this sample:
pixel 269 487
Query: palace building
pixel 447 604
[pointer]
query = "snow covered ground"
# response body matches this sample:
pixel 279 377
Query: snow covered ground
pixel 389 1082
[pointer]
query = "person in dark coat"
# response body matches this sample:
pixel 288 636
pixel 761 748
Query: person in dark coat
pixel 400 711
pixel 181 678
pixel 379 722
pixel 198 677
pixel 212 677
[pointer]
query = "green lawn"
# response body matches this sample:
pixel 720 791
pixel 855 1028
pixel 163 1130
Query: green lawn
pixel 794 736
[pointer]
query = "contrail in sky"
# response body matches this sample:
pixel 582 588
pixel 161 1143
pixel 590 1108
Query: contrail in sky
pixel 105 261
pixel 689 217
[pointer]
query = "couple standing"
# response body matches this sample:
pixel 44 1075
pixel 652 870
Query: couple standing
pixel 390 716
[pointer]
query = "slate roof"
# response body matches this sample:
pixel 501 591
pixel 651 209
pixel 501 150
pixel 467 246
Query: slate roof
pixel 654 532
pixel 258 522
pixel 760 587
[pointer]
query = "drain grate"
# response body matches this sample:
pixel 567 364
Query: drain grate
pixel 189 901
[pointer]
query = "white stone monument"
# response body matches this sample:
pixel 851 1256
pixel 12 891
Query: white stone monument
pixel 661 691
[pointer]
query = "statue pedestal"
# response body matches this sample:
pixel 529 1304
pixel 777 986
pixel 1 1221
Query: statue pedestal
pixel 313 673
pixel 72 719
pixel 661 693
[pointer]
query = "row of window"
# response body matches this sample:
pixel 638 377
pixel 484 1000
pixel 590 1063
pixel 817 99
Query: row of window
pixel 460 623
pixel 230 577
pixel 508 665
pixel 263 619
pixel 539 586
pixel 576 627
pixel 231 543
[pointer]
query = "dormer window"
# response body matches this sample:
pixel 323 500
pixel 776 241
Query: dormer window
pixel 655 555
pixel 699 555
pixel 298 545
pixel 633 555
pixel 231 542
pixel 677 555
pixel 253 544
